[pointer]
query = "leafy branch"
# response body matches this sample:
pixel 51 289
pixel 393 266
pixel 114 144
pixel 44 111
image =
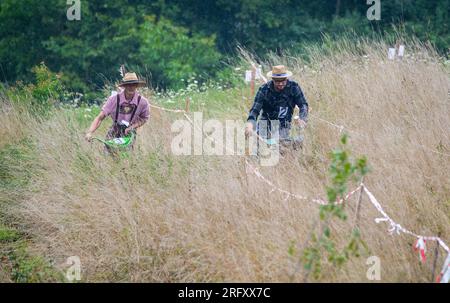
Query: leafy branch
pixel 342 170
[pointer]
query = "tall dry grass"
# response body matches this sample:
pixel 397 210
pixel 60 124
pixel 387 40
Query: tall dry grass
pixel 165 218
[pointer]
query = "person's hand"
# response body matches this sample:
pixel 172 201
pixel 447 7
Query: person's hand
pixel 88 137
pixel 248 129
pixel 128 130
pixel 299 122
pixel 302 123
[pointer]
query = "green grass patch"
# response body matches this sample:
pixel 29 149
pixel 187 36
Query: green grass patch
pixel 8 235
pixel 27 268
pixel 16 165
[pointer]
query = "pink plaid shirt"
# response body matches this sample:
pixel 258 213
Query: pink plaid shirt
pixel 126 108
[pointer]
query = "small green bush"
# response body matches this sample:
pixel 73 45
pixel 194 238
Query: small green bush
pixel 342 170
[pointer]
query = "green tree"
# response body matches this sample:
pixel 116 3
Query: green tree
pixel 172 54
pixel 110 33
pixel 24 27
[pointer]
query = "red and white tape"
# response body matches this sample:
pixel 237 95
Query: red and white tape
pixel 421 247
pixel 420 244
pixel 444 276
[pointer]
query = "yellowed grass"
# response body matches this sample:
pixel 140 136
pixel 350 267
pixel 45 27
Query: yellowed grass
pixel 159 217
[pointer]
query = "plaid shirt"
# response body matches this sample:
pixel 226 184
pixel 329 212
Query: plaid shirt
pixel 278 105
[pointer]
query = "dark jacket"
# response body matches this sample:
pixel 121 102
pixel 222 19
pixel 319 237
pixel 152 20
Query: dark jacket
pixel 275 105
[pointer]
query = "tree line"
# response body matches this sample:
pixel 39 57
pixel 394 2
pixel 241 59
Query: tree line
pixel 170 40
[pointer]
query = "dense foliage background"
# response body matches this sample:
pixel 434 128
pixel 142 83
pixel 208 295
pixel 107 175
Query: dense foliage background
pixel 168 41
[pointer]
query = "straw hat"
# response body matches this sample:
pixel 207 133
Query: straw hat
pixel 279 72
pixel 131 78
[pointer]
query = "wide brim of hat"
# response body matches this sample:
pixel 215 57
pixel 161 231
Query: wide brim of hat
pixel 285 75
pixel 138 82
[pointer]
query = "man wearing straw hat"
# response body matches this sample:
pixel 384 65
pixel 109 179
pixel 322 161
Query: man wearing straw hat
pixel 276 100
pixel 128 109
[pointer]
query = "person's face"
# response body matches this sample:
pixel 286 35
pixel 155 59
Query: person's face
pixel 279 84
pixel 130 88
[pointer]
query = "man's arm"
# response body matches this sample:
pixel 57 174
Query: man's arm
pixel 300 101
pixel 94 125
pixel 254 112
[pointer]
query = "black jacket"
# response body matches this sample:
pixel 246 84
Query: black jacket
pixel 275 105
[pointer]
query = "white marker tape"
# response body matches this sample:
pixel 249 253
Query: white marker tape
pixel 444 276
pixel 258 74
pixel 421 246
pixel 391 53
pixel 401 50
pixel 248 76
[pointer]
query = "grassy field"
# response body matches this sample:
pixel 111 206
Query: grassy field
pixel 163 218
